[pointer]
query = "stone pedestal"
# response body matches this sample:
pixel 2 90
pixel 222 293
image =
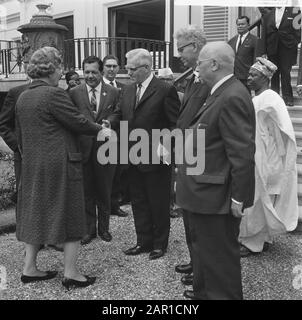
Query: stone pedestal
pixel 42 31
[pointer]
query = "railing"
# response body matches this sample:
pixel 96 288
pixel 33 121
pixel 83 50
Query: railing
pixel 256 24
pixel 10 57
pixel 78 49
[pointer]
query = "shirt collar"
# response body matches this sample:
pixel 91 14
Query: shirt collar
pixel 243 36
pixel 147 81
pixel 108 81
pixel 220 82
pixel 97 88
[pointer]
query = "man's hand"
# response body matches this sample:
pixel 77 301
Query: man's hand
pixel 236 210
pixel 106 124
pixel 106 132
pixel 299 90
pixel 163 153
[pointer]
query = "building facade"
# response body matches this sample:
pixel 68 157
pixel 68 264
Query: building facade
pixel 146 19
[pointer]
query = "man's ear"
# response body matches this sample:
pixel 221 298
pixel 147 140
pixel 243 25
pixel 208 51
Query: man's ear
pixel 215 65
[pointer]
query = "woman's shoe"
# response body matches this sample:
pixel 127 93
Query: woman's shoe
pixel 49 275
pixel 69 283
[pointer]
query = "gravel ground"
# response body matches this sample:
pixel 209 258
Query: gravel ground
pixel 266 276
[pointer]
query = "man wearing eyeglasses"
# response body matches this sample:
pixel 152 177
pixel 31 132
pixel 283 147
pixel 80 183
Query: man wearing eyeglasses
pixel 98 102
pixel 214 200
pixel 120 188
pixel 149 103
pixel 190 41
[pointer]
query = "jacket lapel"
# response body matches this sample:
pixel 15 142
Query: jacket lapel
pixel 284 16
pixel 148 92
pixel 187 92
pixel 211 99
pixel 246 40
pixel 130 95
pixel 85 97
pixel 103 98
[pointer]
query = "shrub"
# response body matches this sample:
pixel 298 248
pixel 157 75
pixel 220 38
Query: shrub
pixel 7 180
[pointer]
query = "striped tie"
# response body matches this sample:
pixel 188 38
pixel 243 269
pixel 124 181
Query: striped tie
pixel 93 102
pixel 138 94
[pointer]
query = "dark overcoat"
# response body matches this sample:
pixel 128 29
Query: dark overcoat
pixel 228 118
pixel 51 199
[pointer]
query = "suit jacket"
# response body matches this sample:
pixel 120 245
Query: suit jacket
pixel 246 54
pixel 287 35
pixel 194 97
pixel 228 118
pixel 7 117
pixel 158 108
pixel 107 109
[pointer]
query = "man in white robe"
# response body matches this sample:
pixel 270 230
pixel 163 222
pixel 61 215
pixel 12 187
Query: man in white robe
pixel 275 209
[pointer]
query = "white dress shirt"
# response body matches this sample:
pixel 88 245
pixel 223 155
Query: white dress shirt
pixel 97 94
pixel 278 16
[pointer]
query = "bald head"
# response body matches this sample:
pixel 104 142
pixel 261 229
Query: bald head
pixel 216 60
pixel 221 52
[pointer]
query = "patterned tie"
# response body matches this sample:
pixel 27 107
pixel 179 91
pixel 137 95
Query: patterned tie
pixel 93 102
pixel 138 94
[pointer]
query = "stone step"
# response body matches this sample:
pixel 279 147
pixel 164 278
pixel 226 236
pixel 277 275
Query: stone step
pixel 297 123
pixel 295 112
pixel 299 157
pixel 298 138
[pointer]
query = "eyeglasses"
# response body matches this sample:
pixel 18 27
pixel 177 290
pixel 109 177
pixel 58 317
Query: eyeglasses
pixel 181 48
pixel 136 68
pixel 200 61
pixel 109 66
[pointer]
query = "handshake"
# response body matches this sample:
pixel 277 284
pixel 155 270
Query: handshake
pixel 106 128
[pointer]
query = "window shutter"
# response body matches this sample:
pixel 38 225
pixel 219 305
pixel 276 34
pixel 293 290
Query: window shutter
pixel 215 23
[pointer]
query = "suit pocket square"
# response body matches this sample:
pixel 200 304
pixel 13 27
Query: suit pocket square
pixel 290 18
pixel 108 107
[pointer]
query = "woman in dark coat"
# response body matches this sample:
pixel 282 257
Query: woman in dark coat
pixel 50 207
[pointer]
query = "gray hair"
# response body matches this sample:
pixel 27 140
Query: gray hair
pixel 44 62
pixel 192 33
pixel 140 55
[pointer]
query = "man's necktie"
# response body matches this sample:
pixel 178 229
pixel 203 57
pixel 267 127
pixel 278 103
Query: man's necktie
pixel 93 102
pixel 112 83
pixel 138 94
pixel 240 43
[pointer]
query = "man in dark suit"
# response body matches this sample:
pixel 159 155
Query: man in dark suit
pixel 120 186
pixel 281 35
pixel 246 47
pixel 215 198
pixel 149 104
pixel 98 102
pixel 7 126
pixel 190 41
